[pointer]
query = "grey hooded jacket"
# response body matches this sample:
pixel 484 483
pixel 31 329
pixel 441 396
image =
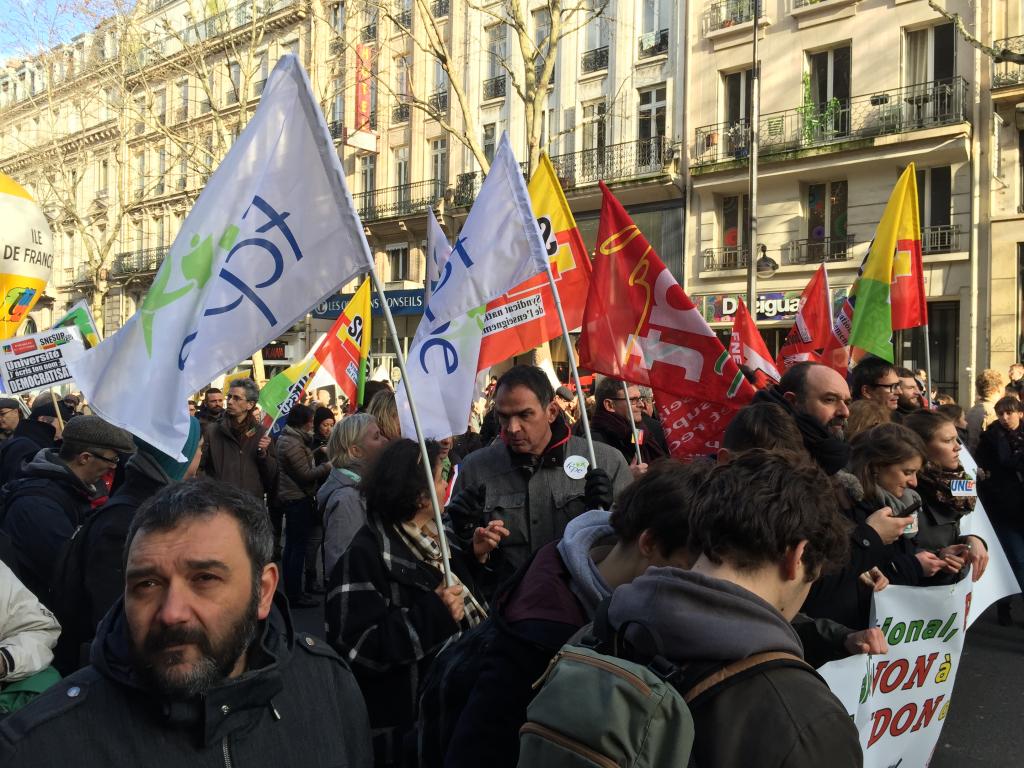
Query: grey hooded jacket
pixel 343 511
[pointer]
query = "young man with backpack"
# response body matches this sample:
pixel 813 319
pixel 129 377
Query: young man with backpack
pixel 720 634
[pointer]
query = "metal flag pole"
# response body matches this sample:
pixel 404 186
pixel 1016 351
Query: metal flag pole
pixel 632 422
pixel 446 554
pixel 928 368
pixel 584 419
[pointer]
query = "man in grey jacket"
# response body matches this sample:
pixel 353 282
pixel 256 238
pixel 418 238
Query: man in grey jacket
pixel 537 477
pixel 198 664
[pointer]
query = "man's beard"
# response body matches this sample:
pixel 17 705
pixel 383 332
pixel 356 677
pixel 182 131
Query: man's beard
pixel 907 404
pixel 216 662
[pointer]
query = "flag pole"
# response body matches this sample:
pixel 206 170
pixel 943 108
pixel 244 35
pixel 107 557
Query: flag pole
pixel 584 419
pixel 928 368
pixel 449 580
pixel 632 423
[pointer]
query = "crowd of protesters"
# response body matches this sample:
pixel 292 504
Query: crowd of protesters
pixel 145 599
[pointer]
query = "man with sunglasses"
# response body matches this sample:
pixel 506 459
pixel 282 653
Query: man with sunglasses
pixel 53 494
pixel 876 379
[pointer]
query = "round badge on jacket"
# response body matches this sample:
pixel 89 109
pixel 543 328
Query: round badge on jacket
pixel 576 467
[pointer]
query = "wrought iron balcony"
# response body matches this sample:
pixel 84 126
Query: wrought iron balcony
pixel 336 46
pixel 402 200
pixel 81 276
pixel 494 88
pixel 439 8
pixel 653 44
pixel 438 101
pixel 368 34
pixel 468 184
pixel 940 238
pixel 911 108
pixel 337 129
pixel 726 257
pixel 226 21
pixel 615 162
pixel 400 113
pixel 137 263
pixel 595 60
pixel 1005 73
pixel 723 14
pixel 403 19
pixel 818 250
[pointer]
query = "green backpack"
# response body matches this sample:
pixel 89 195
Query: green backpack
pixel 599 709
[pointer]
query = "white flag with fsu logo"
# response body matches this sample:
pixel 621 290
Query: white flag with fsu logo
pixel 273 233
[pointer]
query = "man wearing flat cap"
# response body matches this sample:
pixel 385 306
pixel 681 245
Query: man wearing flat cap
pixel 42 429
pixel 53 494
pixel 10 416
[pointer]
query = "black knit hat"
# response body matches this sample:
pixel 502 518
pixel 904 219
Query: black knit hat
pixel 95 432
pixel 322 414
pixel 45 408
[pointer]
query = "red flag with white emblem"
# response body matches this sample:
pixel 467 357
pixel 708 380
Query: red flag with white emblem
pixel 747 348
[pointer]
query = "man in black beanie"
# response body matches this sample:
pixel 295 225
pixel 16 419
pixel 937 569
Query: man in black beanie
pixel 10 416
pixel 54 493
pixel 42 429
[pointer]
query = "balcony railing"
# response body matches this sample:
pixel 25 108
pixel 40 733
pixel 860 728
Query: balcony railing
pixel 238 16
pixel 439 8
pixel 615 162
pixel 818 250
pixel 155 5
pixel 82 275
pixel 726 257
pixel 368 34
pixel 595 60
pixel 940 238
pixel 398 201
pixel 1005 73
pixel 911 108
pixel 133 263
pixel 538 73
pixel 494 88
pixel 723 14
pixel 337 129
pixel 403 19
pixel 336 46
pixel 468 184
pixel 400 114
pixel 653 44
pixel 438 101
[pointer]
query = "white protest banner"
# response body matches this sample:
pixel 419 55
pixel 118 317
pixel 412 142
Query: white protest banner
pixel 899 700
pixel 998 580
pixel 498 248
pixel 271 235
pixel 38 361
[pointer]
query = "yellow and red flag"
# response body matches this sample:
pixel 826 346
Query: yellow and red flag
pixel 526 317
pixel 345 351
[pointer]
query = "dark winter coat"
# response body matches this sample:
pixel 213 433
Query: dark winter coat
pixel 236 461
pixel 44 507
pixel 385 619
pixel 839 595
pixel 1002 489
pixel 775 717
pixel 297 705
pixel 28 439
pixel 611 429
pixel 297 477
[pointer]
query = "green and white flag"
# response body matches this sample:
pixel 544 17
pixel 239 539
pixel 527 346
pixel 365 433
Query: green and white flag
pixel 271 235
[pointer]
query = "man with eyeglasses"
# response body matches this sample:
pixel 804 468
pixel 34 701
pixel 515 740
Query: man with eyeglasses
pixel 612 424
pixel 54 493
pixel 876 379
pixel 10 416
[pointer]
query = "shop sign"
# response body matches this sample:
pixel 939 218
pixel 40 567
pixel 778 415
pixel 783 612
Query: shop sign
pixel 408 302
pixel 275 351
pixel 771 306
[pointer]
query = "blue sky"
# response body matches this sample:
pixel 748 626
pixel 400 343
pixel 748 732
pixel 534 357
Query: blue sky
pixel 29 25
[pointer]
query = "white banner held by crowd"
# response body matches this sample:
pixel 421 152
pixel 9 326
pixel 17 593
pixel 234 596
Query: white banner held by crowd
pixel 273 232
pixel 899 701
pixel 38 361
pixel 498 248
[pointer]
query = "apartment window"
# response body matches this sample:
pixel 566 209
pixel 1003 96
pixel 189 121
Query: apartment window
pixel 103 176
pixel 264 73
pixel 541 36
pixel 439 165
pixel 235 76
pixel 930 55
pixel 398 263
pixel 657 15
pixel 597 27
pixel 337 18
pixel 651 124
pixel 490 129
pixel 368 173
pixel 161 170
pixel 138 236
pixel 338 102
pixel 735 223
pixel 934 207
pixel 401 78
pixel 402 168
pixel 496 41
pixel 160 234
pixel 182 90
pixel 997 147
pixel 594 126
pixel 828 87
pixel 826 221
pixel 140 172
pixel 183 168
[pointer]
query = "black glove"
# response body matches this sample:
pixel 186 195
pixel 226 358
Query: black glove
pixel 598 492
pixel 466 511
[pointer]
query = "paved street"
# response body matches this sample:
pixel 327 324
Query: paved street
pixel 984 726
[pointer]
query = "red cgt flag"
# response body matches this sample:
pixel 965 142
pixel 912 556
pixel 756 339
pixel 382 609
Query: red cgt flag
pixel 640 326
pixel 812 327
pixel 747 347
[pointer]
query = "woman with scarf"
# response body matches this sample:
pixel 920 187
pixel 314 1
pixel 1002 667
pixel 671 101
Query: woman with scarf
pixel 1001 455
pixel 877 494
pixel 939 520
pixel 388 610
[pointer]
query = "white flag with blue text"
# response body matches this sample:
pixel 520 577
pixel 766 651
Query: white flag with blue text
pixel 438 251
pixel 273 233
pixel 498 248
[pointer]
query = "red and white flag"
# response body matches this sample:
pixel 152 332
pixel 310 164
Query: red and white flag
pixel 812 327
pixel 640 326
pixel 747 348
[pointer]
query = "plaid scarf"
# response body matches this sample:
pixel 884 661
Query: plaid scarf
pixel 425 545
pixel 934 482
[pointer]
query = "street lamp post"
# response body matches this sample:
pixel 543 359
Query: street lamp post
pixel 755 119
